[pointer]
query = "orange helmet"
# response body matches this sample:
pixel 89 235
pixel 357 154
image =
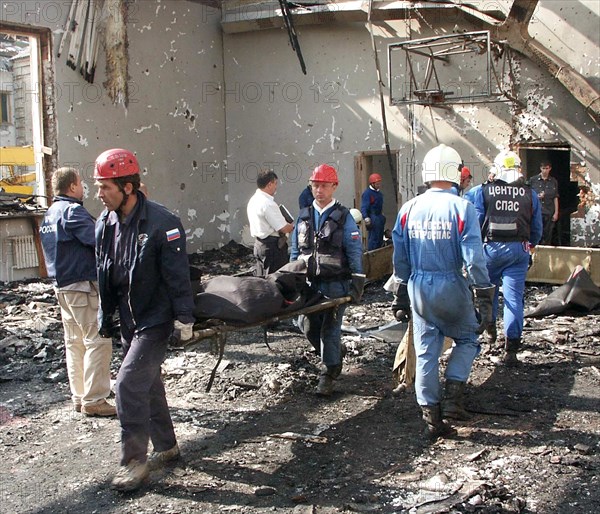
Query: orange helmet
pixel 374 177
pixel 115 163
pixel 324 173
pixel 465 173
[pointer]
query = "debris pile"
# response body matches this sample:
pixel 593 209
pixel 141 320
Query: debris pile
pixel 261 441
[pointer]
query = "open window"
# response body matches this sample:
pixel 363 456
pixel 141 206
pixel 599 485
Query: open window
pixel 25 151
pixel 21 126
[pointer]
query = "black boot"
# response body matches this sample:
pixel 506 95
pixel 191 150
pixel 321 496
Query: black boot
pixel 511 347
pixel 491 334
pixel 436 426
pixel 453 401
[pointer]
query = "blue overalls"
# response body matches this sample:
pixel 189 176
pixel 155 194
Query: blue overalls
pixel 437 234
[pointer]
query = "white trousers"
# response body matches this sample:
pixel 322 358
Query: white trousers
pixel 88 354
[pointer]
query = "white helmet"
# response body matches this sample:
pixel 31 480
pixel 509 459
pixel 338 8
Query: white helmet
pixel 357 215
pixel 508 165
pixel 441 163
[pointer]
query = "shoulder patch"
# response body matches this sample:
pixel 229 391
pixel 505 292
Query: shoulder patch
pixel 173 234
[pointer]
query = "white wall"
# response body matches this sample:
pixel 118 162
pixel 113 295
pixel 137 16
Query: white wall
pixel 172 125
pixel 207 110
pixel 333 112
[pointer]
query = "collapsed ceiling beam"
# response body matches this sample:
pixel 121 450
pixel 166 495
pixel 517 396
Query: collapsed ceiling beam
pixel 248 15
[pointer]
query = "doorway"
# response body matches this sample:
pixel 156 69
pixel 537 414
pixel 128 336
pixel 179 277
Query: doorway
pixel 559 156
pixel 369 162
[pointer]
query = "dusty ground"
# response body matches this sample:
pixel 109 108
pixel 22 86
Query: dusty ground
pixel 261 441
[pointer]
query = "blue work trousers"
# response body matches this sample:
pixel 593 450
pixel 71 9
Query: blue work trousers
pixel 324 329
pixel 428 340
pixel 375 232
pixel 507 264
pixel 140 394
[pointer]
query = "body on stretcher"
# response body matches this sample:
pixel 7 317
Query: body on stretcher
pixel 218 329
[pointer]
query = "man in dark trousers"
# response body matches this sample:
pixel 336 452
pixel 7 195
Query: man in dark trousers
pixel 327 238
pixel 67 235
pixel 143 272
pixel 546 187
pixel 268 226
pixel 371 207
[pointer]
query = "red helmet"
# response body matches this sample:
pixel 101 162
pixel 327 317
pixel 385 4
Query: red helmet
pixel 374 177
pixel 115 163
pixel 465 173
pixel 324 173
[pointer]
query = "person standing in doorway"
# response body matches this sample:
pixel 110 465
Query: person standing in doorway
pixel 546 188
pixel 268 226
pixel 143 272
pixel 67 236
pixel 371 207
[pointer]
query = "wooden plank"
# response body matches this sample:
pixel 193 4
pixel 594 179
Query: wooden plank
pixel 377 264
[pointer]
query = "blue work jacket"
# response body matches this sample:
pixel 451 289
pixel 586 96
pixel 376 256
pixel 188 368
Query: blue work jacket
pixel 67 235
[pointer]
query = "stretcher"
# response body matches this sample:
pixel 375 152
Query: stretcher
pixel 217 330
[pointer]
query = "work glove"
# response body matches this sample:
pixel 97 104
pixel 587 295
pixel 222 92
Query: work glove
pixel 368 223
pixel 484 298
pixel 182 332
pixel 109 329
pixel 357 286
pixel 401 303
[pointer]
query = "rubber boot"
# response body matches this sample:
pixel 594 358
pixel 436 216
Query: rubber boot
pixel 511 347
pixel 453 401
pixel 491 334
pixel 435 425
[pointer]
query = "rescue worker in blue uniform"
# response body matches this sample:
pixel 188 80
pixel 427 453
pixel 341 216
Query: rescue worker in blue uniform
pixel 327 238
pixel 143 272
pixel 371 207
pixel 511 223
pixel 435 237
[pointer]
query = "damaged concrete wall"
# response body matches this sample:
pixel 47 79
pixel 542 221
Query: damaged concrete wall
pixel 175 128
pixel 277 115
pixel 206 111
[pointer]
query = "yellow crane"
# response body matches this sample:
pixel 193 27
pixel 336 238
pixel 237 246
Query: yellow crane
pixel 11 156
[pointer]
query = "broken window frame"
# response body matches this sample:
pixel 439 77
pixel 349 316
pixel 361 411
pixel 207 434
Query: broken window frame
pixel 40 70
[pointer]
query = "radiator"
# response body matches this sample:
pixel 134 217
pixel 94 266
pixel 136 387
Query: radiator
pixel 24 252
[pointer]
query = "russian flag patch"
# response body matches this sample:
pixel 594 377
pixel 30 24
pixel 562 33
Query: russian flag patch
pixel 355 235
pixel 173 234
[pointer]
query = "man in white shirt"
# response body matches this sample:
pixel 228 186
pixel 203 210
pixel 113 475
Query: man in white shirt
pixel 268 226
